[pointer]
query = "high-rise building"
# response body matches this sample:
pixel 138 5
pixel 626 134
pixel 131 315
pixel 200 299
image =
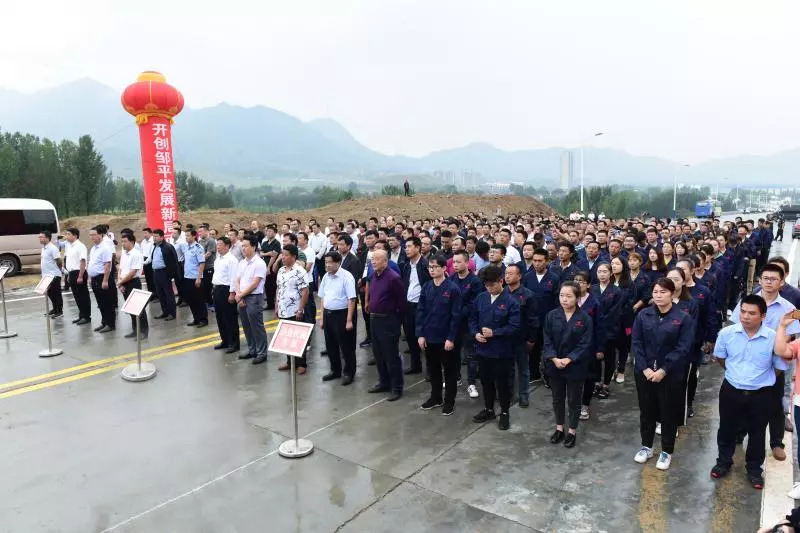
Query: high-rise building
pixel 567 181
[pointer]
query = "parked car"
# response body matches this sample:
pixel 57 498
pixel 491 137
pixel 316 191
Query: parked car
pixel 21 221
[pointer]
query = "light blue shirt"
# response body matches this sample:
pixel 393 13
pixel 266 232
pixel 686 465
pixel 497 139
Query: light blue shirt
pixel 775 311
pixel 158 259
pixel 750 363
pixel 101 254
pixel 479 262
pixel 192 258
pixel 336 290
pixel 180 250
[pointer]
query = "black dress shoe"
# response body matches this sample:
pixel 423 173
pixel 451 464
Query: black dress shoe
pixel 372 362
pixel 162 315
pixel 523 402
pixel 330 376
pixel 324 353
pixel 260 359
pixel 246 356
pixel 232 350
pixel 569 440
pixel 170 317
pixel 364 343
pixel 484 416
pixel 98 328
pixel 202 324
pixel 130 335
pixel 347 380
pixel 378 388
pixel 410 371
pixel 557 436
pixel 220 346
pixel 83 321
pixel 192 323
pixel 393 397
pixel 105 329
pixel 504 423
pixel 76 320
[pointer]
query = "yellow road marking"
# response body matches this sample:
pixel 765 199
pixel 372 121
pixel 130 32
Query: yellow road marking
pixel 100 362
pixel 96 371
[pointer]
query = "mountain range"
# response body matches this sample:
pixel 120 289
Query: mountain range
pixel 233 144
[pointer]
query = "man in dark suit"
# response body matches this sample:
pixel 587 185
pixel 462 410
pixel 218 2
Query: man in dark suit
pixel 415 275
pixel 351 263
pixel 165 269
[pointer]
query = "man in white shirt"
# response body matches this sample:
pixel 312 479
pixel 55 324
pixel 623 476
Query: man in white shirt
pixel 319 243
pixel 99 269
pixel 235 248
pixel 291 296
pixel 146 246
pixel 51 266
pixel 131 263
pixel 249 296
pixel 225 267
pixel 337 290
pixel 75 256
pixel 512 254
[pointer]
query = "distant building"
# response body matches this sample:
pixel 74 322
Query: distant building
pixel 567 180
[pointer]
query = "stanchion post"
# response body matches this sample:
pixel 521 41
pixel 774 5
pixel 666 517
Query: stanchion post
pixel 135 305
pixel 5 334
pixel 291 338
pixel 49 352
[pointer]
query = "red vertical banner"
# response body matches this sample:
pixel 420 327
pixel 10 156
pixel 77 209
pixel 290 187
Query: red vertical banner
pixel 160 197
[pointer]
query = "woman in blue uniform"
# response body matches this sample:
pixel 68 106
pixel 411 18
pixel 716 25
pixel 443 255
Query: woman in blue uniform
pixel 622 345
pixel 606 327
pixel 589 305
pixel 661 339
pixel 567 340
pixel 437 326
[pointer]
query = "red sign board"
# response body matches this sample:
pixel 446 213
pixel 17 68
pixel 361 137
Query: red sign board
pixel 290 338
pixel 160 197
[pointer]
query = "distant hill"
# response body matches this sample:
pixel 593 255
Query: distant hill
pixel 233 144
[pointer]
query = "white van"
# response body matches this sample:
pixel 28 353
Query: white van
pixel 21 221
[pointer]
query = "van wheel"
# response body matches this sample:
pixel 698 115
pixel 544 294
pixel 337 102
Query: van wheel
pixel 10 261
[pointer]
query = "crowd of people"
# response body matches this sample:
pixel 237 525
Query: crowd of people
pixel 505 300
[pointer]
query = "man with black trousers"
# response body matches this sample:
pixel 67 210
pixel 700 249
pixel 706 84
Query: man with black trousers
pixel 75 258
pixel 99 269
pixel 349 262
pixel 337 290
pixel 165 269
pixel 364 256
pixel 415 275
pixel 131 263
pixel 146 247
pixel 270 253
pixel 193 266
pixel 746 352
pixel 225 267
pixel 544 285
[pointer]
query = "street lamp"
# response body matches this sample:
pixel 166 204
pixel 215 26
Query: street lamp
pixel 598 134
pixel 675 194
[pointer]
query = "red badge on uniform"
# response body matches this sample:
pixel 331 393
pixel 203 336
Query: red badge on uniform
pixel 501 307
pixel 579 324
pixel 446 294
pixel 676 322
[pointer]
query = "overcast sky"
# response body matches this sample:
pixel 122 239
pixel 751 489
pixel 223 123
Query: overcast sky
pixel 686 80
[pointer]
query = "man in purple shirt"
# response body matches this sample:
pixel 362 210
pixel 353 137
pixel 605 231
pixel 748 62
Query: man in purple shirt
pixel 387 299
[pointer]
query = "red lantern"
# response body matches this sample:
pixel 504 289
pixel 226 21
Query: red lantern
pixel 154 102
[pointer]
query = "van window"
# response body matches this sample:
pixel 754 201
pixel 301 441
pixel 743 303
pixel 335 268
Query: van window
pixel 27 221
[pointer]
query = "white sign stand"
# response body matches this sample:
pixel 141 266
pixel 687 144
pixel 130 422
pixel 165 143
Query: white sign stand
pixel 135 305
pixel 41 288
pixel 291 338
pixel 5 333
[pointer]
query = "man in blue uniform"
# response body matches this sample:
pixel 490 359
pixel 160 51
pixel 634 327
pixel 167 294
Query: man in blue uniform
pixel 526 335
pixel 544 285
pixel 470 286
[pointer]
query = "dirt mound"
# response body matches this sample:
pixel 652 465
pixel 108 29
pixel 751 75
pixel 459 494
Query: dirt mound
pixel 417 207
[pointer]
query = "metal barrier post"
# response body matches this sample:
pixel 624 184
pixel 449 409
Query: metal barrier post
pixel 5 334
pixel 50 351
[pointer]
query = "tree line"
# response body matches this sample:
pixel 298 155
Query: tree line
pixel 75 179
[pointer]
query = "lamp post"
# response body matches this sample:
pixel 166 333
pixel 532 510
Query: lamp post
pixel 675 194
pixel 598 134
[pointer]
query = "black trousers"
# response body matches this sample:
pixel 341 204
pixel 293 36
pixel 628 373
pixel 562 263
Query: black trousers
pixel 227 317
pixel 535 357
pixel 659 401
pixel 208 287
pixel 386 329
pixel 163 287
pixel 743 409
pixel 496 380
pixel 105 301
pixel 270 287
pixel 195 298
pixel 623 347
pixel 438 360
pixel 566 393
pixel 609 362
pixel 340 342
pixel 148 278
pixel 364 314
pixel 775 414
pixel 692 375
pixel 179 284
pixel 127 288
pixel 54 294
pixel 80 291
pixel 410 329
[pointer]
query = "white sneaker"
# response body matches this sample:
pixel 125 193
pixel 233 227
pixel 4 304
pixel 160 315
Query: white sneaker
pixel 658 428
pixel 584 413
pixel 472 390
pixel 643 455
pixel 620 378
pixel 664 460
pixel 795 492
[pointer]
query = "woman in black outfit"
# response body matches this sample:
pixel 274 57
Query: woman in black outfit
pixel 567 336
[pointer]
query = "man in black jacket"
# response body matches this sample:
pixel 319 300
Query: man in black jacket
pixel 415 275
pixel 350 263
pixel 165 269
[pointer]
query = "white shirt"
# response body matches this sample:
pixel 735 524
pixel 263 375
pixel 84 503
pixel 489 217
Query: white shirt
pixel 146 247
pixel 49 258
pixel 318 242
pixel 310 254
pixel 512 256
pixel 250 269
pixel 133 260
pixel 225 270
pixel 74 252
pixel 109 244
pixel 336 290
pixel 414 288
pixel 366 264
pixel 100 255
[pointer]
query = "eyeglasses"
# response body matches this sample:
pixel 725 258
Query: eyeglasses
pixel 770 280
pixel 431 267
